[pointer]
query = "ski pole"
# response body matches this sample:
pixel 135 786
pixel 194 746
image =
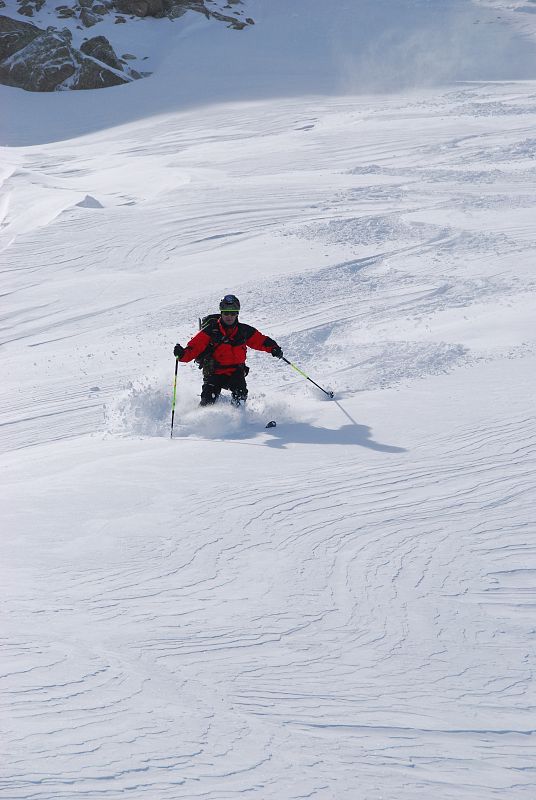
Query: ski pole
pixel 329 394
pixel 174 396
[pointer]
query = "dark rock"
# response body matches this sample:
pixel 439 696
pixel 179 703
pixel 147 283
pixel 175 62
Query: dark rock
pixel 88 18
pixel 233 22
pixel 91 75
pixel 40 66
pixel 49 62
pixel 45 61
pixel 176 8
pixel 140 8
pixel 14 35
pixel 100 48
pixel 156 8
pixel 136 8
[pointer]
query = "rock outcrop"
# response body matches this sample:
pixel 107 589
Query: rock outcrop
pixel 40 66
pixel 46 61
pixel 14 35
pixel 41 60
pixel 100 48
pixel 141 8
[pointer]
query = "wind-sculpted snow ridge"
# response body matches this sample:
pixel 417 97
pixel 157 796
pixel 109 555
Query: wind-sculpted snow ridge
pixel 342 606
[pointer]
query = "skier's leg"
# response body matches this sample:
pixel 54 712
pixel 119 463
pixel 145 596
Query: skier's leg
pixel 238 387
pixel 210 390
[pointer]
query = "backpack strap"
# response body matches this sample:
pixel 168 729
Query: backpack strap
pixel 211 327
pixel 208 325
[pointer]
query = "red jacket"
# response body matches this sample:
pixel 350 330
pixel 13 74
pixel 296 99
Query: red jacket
pixel 228 345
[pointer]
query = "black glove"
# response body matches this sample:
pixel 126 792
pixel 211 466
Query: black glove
pixel 178 351
pixel 276 351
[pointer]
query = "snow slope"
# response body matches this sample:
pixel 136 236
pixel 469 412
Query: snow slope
pixel 308 47
pixel 340 607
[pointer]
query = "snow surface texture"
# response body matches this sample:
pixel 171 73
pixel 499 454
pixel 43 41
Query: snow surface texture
pixel 341 607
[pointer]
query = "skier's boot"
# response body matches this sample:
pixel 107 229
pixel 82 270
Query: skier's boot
pixel 209 395
pixel 238 398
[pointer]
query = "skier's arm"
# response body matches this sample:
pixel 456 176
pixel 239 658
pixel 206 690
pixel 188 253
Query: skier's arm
pixel 258 341
pixel 194 348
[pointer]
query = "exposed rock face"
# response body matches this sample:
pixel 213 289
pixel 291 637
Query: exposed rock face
pixel 45 61
pixel 28 7
pixel 64 12
pixel 141 8
pixel 92 76
pixel 88 18
pixel 14 35
pixel 41 66
pixel 175 10
pixel 100 48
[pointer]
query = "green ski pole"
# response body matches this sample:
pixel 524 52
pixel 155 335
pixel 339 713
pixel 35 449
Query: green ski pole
pixel 329 394
pixel 174 396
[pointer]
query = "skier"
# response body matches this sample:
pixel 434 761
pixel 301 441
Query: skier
pixel 220 348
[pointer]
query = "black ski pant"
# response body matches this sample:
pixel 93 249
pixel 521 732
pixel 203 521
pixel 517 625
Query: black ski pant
pixel 213 384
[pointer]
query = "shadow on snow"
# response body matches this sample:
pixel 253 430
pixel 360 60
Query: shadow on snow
pixel 351 434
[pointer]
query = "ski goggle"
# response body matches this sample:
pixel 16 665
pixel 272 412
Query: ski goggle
pixel 229 312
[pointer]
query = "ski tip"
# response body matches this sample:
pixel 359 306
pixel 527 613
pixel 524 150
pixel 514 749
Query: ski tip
pixel 271 424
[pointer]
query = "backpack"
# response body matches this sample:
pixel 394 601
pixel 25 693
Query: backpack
pixel 204 360
pixel 203 321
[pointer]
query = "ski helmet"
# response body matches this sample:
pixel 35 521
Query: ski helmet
pixel 230 303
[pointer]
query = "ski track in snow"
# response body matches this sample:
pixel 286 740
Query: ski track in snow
pixel 329 609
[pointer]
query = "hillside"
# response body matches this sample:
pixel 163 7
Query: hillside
pixel 363 48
